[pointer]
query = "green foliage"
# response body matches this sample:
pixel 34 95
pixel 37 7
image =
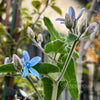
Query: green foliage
pixel 61 87
pixel 42 68
pixel 48 88
pixel 56 46
pixel 70 76
pixel 7 68
pixel 46 68
pixel 71 37
pixel 57 9
pixel 88 5
pixel 36 4
pixel 54 34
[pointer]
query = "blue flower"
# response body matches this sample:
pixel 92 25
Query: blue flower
pixel 71 12
pixel 28 63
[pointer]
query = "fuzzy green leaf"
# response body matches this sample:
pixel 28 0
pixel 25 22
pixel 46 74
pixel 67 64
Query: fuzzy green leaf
pixel 56 46
pixel 7 68
pixel 46 68
pixel 57 9
pixel 61 87
pixel 71 37
pixel 54 34
pixel 48 88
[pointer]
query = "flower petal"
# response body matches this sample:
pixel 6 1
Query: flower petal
pixel 7 60
pixel 26 56
pixel 35 60
pixel 60 19
pixel 34 72
pixel 82 10
pixel 23 64
pixel 92 26
pixel 25 72
pixel 71 12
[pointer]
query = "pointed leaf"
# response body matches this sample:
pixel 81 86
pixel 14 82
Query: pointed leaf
pixel 70 77
pixel 54 34
pixel 36 4
pixel 56 46
pixel 48 88
pixel 61 87
pixel 71 37
pixel 7 68
pixel 57 9
pixel 46 68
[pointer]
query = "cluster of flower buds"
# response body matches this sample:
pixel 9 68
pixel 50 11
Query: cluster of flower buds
pixel 70 19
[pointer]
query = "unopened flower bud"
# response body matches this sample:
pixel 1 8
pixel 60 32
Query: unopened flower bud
pixel 30 32
pixel 17 62
pixel 7 60
pixel 83 26
pixel 40 38
pixel 91 28
pixel 68 21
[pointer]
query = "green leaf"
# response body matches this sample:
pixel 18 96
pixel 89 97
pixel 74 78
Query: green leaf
pixel 75 54
pixel 56 46
pixel 36 4
pixel 54 34
pixel 57 9
pixel 46 68
pixel 70 76
pixel 71 37
pixel 48 88
pixel 61 87
pixel 85 71
pixel 7 68
pixel 42 68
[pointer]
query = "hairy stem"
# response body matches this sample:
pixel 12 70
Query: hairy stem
pixel 30 81
pixel 67 61
pixel 55 88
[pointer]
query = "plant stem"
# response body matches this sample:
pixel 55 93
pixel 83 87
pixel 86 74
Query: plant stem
pixel 67 61
pixel 29 79
pixel 55 88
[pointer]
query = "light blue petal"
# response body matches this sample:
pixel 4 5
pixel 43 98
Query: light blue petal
pixel 23 64
pixel 25 72
pixel 60 19
pixel 92 26
pixel 71 12
pixel 82 10
pixel 34 72
pixel 26 56
pixel 7 60
pixel 35 60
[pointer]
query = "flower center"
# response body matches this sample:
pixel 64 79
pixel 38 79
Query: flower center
pixel 27 64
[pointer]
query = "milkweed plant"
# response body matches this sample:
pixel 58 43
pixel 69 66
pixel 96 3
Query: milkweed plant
pixel 62 65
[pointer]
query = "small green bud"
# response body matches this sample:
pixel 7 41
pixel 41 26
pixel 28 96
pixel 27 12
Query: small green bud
pixel 17 62
pixel 83 26
pixel 68 21
pixel 40 38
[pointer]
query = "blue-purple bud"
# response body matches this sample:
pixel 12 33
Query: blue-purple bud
pixel 30 32
pixel 91 28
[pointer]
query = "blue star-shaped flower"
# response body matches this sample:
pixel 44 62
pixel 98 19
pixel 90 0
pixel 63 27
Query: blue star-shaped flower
pixel 71 12
pixel 28 63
